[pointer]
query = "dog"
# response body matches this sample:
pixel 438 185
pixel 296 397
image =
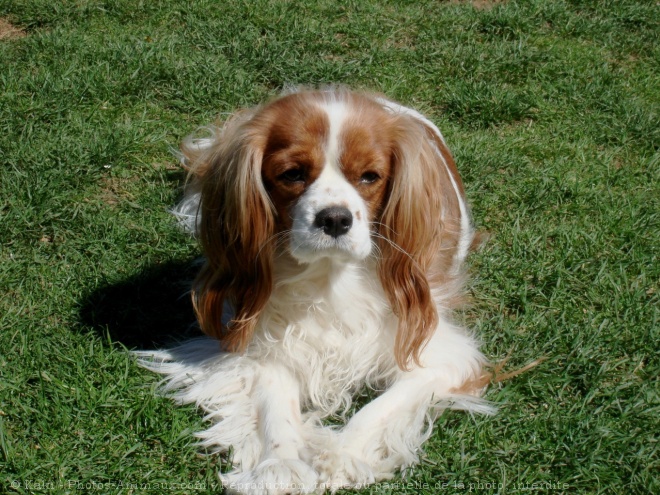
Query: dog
pixel 335 228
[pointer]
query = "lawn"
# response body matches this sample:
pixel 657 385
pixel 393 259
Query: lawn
pixel 552 111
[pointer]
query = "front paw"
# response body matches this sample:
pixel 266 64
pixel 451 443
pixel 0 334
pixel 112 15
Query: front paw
pixel 341 469
pixel 272 477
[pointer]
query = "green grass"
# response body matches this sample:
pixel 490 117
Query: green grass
pixel 551 108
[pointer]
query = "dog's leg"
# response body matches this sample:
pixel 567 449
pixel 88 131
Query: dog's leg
pixel 386 434
pixel 282 467
pixel 383 436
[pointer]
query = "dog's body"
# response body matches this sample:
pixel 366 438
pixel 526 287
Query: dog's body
pixel 335 227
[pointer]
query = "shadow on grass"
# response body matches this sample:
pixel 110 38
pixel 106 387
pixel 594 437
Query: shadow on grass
pixel 147 311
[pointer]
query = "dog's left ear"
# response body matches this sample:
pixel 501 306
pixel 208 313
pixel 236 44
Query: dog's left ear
pixel 418 234
pixel 235 227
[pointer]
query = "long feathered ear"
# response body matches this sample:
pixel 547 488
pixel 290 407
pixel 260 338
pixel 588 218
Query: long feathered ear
pixel 234 224
pixel 417 235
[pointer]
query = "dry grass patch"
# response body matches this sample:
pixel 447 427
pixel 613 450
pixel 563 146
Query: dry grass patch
pixel 481 4
pixel 8 31
pixel 115 190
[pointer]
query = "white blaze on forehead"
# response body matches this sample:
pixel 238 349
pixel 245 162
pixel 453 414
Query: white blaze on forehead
pixel 337 114
pixel 332 180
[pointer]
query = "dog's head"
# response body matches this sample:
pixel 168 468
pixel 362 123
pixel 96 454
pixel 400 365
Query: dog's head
pixel 326 174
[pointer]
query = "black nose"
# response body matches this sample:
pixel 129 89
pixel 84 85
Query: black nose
pixel 334 221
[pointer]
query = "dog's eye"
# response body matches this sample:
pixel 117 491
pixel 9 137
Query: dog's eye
pixel 292 175
pixel 369 177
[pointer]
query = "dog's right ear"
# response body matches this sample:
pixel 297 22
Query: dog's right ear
pixel 235 223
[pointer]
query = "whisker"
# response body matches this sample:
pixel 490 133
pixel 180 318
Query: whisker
pixel 278 237
pixel 377 251
pixel 394 245
pixel 386 226
pixel 445 228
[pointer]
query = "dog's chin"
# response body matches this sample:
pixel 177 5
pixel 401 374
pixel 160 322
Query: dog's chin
pixel 341 252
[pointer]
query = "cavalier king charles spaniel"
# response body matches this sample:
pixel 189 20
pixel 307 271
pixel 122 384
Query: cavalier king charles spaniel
pixel 334 228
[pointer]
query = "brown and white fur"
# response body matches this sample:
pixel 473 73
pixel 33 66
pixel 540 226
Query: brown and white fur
pixel 334 226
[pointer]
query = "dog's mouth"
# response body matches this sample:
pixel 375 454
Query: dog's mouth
pixel 313 243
